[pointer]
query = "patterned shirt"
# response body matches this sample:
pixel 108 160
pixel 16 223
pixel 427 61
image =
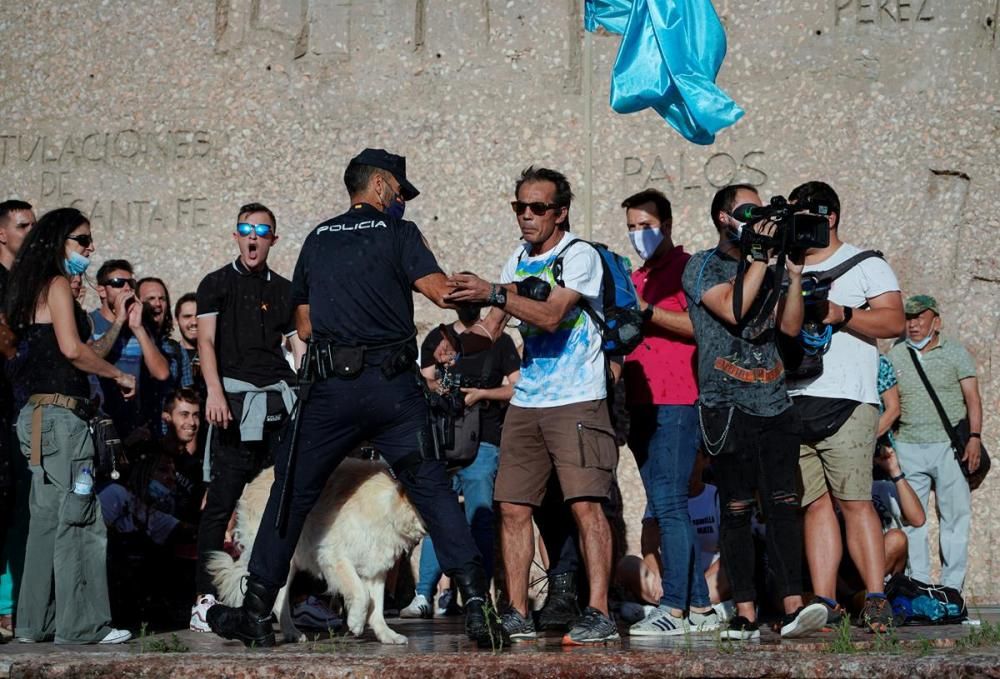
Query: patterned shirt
pixel 565 366
pixel 946 365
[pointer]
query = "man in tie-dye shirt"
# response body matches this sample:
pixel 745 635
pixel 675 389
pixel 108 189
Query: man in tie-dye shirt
pixel 558 419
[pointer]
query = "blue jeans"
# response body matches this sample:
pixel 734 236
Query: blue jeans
pixel 665 441
pixel 475 483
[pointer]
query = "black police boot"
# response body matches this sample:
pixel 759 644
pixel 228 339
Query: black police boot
pixel 562 607
pixel 482 622
pixel 251 622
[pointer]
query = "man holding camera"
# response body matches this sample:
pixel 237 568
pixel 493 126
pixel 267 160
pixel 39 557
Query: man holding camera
pixel 558 420
pixel 839 414
pixel 744 410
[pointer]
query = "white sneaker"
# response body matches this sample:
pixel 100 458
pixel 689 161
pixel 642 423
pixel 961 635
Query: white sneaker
pixel 420 607
pixel 199 623
pixel 725 610
pixel 116 636
pixel 659 623
pixel 313 613
pixel 704 622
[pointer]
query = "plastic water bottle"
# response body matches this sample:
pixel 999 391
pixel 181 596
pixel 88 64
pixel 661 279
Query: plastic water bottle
pixel 84 482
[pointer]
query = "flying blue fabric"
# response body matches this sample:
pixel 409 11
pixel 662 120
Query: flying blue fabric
pixel 670 54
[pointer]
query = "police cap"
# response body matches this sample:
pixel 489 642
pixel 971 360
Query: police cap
pixel 395 165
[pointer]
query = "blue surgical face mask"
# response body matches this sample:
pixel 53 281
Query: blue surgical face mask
pixel 922 343
pixel 76 263
pixel 645 241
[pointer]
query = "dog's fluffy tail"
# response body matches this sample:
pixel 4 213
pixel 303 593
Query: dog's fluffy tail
pixel 228 576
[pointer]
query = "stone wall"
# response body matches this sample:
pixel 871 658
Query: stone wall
pixel 158 119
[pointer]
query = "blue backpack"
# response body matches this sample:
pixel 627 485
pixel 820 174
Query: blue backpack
pixel 621 327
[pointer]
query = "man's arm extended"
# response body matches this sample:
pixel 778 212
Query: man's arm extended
pixel 675 322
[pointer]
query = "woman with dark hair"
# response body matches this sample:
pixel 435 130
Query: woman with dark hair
pixel 64 592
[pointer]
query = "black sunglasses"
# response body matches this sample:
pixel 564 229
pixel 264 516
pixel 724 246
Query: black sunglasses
pixel 536 208
pixel 84 239
pixel 119 282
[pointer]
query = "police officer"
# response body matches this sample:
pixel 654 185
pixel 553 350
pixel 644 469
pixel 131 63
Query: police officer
pixel 352 292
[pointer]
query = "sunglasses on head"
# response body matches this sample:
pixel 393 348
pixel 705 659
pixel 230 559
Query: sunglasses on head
pixel 84 239
pixel 536 208
pixel 245 229
pixel 119 282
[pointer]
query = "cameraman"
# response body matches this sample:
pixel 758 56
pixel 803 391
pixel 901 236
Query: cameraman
pixel 839 414
pixel 482 381
pixel 744 412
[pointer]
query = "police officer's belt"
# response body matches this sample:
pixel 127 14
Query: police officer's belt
pixel 81 407
pixel 347 362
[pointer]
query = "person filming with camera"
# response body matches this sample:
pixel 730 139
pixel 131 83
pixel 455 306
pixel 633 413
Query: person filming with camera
pixel 744 409
pixel 837 403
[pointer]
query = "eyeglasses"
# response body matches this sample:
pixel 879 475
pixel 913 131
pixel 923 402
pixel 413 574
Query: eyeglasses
pixel 245 228
pixel 84 239
pixel 536 208
pixel 119 282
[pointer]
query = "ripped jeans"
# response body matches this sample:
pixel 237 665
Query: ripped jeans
pixel 764 465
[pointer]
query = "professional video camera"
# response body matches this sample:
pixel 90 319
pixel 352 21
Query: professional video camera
pixel 799 226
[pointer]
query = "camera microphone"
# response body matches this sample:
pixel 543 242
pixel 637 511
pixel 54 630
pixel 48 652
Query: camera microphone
pixel 748 212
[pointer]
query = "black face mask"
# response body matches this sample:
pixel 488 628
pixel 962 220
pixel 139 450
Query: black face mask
pixel 468 314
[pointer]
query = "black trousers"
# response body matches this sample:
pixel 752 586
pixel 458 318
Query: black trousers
pixel 340 414
pixel 765 464
pixel 235 463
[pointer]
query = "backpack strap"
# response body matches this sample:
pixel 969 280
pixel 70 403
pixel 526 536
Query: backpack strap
pixel 845 266
pixel 607 294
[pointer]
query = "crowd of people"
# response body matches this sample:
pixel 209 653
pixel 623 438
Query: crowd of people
pixel 757 473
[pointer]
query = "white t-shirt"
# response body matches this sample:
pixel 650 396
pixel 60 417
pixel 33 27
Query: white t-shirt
pixel 122 510
pixel 850 367
pixel 565 366
pixel 704 512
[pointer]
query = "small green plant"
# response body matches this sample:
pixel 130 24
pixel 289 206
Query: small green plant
pixel 492 621
pixel 983 635
pixel 887 641
pixel 924 647
pixel 842 638
pixel 723 645
pixel 148 643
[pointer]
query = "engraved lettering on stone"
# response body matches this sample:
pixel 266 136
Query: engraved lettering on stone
pixel 690 173
pixel 881 12
pixel 319 27
pixel 85 147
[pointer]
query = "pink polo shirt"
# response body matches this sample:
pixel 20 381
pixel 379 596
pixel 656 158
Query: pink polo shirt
pixel 661 371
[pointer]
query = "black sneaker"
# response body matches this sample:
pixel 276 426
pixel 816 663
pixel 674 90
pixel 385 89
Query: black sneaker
pixel 806 620
pixel 517 627
pixel 237 623
pixel 741 629
pixel 593 627
pixel 876 616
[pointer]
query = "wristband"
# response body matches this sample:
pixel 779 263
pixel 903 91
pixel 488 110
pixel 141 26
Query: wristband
pixel 976 435
pixel 848 315
pixel 647 315
pixel 897 479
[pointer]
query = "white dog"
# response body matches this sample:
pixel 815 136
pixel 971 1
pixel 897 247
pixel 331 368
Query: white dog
pixel 354 535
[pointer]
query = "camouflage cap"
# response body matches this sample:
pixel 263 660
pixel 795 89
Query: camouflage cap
pixel 917 304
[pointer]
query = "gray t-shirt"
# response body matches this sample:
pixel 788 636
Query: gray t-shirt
pixel 751 345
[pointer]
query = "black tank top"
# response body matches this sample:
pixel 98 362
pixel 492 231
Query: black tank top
pixel 46 370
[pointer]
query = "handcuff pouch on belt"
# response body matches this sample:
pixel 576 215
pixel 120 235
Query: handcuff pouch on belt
pixel 107 443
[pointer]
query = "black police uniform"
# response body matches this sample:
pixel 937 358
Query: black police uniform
pixel 356 272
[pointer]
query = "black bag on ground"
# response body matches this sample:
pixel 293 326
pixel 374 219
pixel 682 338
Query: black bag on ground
pixel 917 603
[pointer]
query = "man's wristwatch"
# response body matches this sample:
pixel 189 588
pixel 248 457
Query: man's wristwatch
pixel 897 479
pixel 976 435
pixel 498 296
pixel 848 315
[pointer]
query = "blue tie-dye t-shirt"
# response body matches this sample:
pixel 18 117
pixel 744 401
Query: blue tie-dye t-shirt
pixel 565 366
